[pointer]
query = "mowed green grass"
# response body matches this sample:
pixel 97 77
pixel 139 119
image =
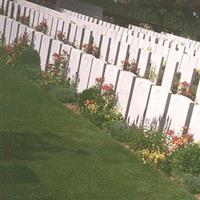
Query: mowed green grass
pixel 50 153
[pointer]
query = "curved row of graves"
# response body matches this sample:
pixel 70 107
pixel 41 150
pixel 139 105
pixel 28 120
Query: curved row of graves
pixel 141 100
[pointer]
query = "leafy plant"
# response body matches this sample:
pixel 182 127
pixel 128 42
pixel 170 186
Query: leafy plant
pixel 13 53
pixel 99 103
pixel 130 66
pixel 61 37
pixel 91 49
pixel 24 20
pixel 191 182
pixel 56 73
pixel 42 27
pixel 118 130
pixel 187 160
pixel 56 79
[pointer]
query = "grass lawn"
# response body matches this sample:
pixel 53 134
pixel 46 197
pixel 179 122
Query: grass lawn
pixel 49 153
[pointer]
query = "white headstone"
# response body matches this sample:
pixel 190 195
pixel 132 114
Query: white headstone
pixel 177 112
pixel 8 30
pixel 124 37
pixel 194 127
pixel 55 48
pixel 187 73
pixel 67 48
pixel 104 47
pixel 123 89
pixel 36 18
pixel 79 35
pixel 30 31
pixel 22 30
pixel 31 19
pixel 141 40
pixel 133 52
pixel 110 75
pixel 22 10
pixel 1 3
pixel 169 73
pixel 10 5
pixel 44 51
pixel 74 60
pixel 84 71
pixel 66 28
pixel 197 100
pixel 15 12
pixel 2 23
pixel 156 106
pixel 49 21
pixel 27 12
pixel 156 61
pixel 138 101
pixel 113 49
pixel 5 4
pixel 96 38
pixel 143 61
pixel 14 32
pixel 184 63
pixel 37 41
pixel 72 33
pixel 96 71
pixel 87 36
pixel 60 25
pixel 122 53
pixel 41 17
pixel 54 26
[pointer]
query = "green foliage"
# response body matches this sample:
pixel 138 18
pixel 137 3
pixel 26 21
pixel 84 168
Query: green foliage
pixel 191 182
pixel 118 130
pixel 48 153
pixel 56 80
pixel 99 104
pixel 90 93
pixel 147 139
pixel 65 94
pixel 187 160
pixel 30 58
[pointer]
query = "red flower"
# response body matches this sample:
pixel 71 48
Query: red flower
pixel 175 139
pixel 169 133
pixel 8 49
pixel 186 84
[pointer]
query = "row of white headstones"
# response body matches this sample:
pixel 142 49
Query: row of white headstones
pixel 149 50
pixel 141 101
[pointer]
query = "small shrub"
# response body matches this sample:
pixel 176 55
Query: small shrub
pixel 56 74
pixel 30 58
pixel 42 27
pixel 130 66
pixel 99 104
pixel 56 81
pixel 61 37
pixel 91 49
pixel 13 53
pixel 24 20
pixel 118 130
pixel 90 93
pixel 187 160
pixel 147 139
pixel 65 94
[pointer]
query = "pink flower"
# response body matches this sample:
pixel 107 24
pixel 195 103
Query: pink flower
pixel 99 80
pixel 106 87
pixel 169 133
